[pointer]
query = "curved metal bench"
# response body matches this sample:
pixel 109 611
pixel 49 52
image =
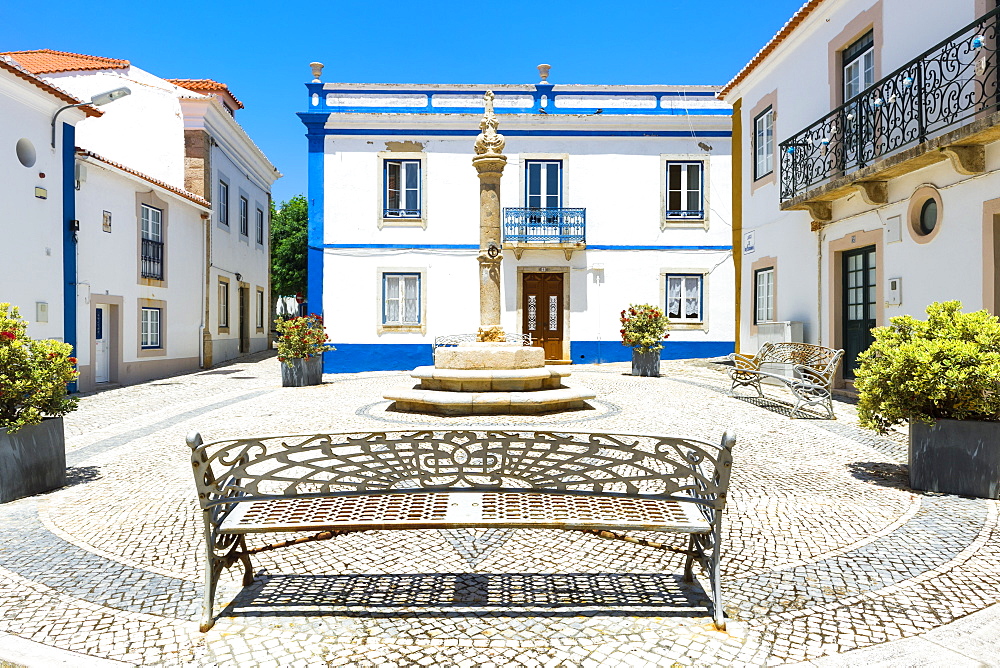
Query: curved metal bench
pixel 341 483
pixel 813 370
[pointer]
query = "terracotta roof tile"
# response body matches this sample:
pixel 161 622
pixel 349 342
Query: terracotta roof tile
pixel 207 86
pixel 145 177
pixel 22 73
pixel 786 30
pixel 47 61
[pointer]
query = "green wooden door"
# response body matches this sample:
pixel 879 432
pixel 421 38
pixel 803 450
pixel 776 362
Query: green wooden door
pixel 859 305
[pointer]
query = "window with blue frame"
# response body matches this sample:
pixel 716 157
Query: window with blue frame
pixel 401 299
pixel 543 184
pixel 685 297
pixel 402 189
pixel 685 190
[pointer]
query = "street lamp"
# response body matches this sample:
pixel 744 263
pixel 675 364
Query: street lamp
pixel 98 100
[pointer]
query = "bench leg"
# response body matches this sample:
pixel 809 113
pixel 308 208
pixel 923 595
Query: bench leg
pixel 213 568
pixel 245 559
pixel 718 613
pixel 689 562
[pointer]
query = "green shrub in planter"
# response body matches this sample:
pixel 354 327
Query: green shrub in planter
pixel 945 367
pixel 301 337
pixel 33 374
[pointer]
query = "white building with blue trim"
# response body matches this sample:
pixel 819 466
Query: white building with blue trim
pixel 611 195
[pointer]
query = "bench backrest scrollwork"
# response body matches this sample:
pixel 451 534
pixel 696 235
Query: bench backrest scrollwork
pixel 321 465
pixel 822 360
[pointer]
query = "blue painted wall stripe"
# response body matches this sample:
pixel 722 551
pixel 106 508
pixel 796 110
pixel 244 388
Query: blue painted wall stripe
pixel 316 189
pixel 476 247
pixel 528 133
pixel 321 88
pixel 69 238
pixel 549 111
pixel 354 357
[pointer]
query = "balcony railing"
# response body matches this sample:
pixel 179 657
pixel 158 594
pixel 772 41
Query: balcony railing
pixel 152 259
pixel 950 83
pixel 540 226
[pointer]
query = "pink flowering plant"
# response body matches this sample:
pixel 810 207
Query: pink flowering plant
pixel 33 374
pixel 644 327
pixel 301 337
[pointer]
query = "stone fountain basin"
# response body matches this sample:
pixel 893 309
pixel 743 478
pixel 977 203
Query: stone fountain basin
pixel 489 380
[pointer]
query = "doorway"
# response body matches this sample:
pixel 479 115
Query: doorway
pixel 859 305
pixel 102 344
pixel 542 295
pixel 244 296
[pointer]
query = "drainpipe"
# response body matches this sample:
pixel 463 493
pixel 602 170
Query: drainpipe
pixel 819 287
pixel 206 220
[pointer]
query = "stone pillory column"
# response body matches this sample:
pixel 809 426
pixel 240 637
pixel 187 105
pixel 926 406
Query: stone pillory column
pixel 489 163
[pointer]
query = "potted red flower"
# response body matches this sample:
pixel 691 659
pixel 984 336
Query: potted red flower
pixel 301 344
pixel 644 327
pixel 33 379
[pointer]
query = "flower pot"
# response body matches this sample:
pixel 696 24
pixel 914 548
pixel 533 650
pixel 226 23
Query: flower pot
pixel 646 364
pixel 303 371
pixel 32 459
pixel 956 457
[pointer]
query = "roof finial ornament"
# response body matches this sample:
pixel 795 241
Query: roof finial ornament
pixel 489 141
pixel 317 71
pixel 543 70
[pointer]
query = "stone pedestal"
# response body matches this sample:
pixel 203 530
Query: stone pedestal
pixel 489 379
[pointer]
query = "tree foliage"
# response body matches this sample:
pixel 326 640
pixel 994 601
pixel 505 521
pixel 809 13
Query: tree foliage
pixel 289 241
pixel 945 367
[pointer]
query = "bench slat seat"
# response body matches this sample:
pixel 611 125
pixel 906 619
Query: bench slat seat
pixel 468 510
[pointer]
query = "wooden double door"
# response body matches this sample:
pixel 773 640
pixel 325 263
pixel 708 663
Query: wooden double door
pixel 542 301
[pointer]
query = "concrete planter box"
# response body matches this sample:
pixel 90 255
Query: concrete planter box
pixel 302 372
pixel 956 457
pixel 645 364
pixel 32 460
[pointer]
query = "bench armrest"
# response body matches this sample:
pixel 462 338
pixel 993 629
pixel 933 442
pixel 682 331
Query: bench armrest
pixel 745 362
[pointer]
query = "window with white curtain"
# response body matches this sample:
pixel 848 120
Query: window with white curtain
pixel 685 297
pixel 150 328
pixel 400 299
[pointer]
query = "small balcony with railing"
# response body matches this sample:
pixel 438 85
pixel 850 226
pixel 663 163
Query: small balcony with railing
pixel 561 228
pixel 941 105
pixel 151 260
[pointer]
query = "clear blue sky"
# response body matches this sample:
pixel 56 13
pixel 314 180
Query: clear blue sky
pixel 262 50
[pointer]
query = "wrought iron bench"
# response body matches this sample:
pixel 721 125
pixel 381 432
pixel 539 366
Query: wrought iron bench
pixel 811 374
pixel 456 339
pixel 341 483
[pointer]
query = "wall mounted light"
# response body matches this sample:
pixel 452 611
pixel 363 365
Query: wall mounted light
pixel 98 100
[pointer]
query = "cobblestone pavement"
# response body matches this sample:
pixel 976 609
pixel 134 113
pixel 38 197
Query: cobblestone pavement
pixel 826 548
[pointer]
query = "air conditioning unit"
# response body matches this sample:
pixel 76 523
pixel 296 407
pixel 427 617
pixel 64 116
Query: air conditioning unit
pixel 777 332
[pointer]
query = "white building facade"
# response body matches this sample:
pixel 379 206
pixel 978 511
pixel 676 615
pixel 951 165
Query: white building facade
pixel 611 195
pixel 168 186
pixel 35 215
pixel 866 169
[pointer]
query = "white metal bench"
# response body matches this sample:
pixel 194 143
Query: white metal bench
pixel 812 368
pixel 340 483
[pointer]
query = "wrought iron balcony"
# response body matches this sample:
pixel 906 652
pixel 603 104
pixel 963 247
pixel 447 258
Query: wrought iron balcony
pixel 953 83
pixel 545 226
pixel 152 259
